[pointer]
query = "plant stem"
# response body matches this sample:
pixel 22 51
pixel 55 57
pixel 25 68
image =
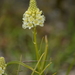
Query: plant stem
pixel 35 43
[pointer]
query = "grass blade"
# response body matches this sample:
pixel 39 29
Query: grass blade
pixel 23 64
pixel 37 63
pixel 45 68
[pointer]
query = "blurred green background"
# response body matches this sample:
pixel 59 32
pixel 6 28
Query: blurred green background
pixel 59 27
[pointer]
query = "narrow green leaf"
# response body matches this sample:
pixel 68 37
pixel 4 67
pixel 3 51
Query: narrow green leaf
pixel 23 64
pixel 41 45
pixel 45 68
pixel 45 55
pixel 37 63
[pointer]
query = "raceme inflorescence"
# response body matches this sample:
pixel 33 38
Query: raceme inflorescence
pixel 33 16
pixel 2 65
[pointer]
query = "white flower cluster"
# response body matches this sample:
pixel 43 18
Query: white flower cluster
pixel 31 19
pixel 33 16
pixel 1 71
pixel 2 65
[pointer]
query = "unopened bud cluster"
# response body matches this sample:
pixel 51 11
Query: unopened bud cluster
pixel 2 65
pixel 33 16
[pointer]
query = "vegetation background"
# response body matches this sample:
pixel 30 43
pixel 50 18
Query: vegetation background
pixel 59 27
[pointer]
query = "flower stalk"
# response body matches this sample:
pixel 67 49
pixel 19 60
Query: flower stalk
pixel 35 43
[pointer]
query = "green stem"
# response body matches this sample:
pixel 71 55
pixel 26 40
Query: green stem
pixel 36 47
pixel 35 43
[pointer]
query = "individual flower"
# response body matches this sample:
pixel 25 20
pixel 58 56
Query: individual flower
pixel 2 65
pixel 33 16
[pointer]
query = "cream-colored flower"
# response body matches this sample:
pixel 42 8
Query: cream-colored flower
pixel 2 65
pixel 33 16
pixel 31 19
pixel 36 22
pixel 30 25
pixel 1 71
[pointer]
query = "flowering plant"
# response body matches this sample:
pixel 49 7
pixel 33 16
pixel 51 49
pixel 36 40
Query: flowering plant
pixel 32 18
